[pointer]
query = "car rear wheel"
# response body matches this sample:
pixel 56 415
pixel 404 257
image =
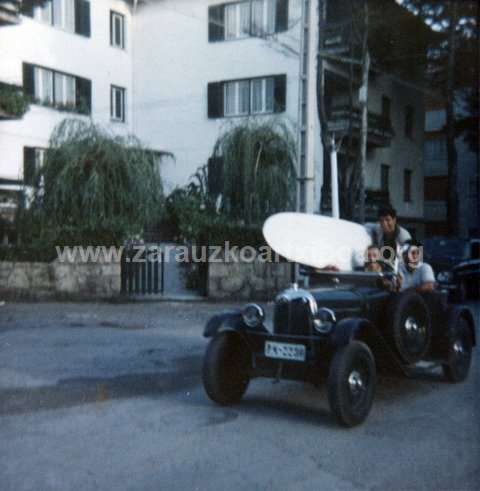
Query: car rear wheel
pixel 351 383
pixel 410 326
pixel 226 368
pixel 459 355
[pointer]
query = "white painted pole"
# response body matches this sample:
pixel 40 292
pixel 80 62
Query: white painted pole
pixel 334 179
pixel 311 106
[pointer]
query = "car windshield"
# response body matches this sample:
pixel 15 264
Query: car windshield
pixel 445 248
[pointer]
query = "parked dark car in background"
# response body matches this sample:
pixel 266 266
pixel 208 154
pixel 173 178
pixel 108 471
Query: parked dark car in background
pixel 456 263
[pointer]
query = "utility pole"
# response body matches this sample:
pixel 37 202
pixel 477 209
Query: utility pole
pixel 307 107
pixel 334 179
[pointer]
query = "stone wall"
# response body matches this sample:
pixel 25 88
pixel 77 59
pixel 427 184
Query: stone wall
pixel 55 280
pixel 247 280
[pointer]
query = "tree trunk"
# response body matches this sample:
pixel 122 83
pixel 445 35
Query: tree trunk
pixel 452 199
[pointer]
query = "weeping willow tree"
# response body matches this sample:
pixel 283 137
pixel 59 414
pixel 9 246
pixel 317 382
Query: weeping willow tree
pixel 95 187
pixel 258 171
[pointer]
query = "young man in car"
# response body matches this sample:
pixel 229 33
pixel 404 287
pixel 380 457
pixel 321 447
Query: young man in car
pixel 413 272
pixel 387 234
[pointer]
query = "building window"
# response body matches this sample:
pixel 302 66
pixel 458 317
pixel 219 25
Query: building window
pixel 263 95
pixel 71 15
pixel 263 17
pixel 117 30
pixel 407 185
pixel 32 161
pixel 236 98
pixel 57 89
pixel 409 115
pixel 436 149
pixel 247 18
pixel 237 20
pixel 117 103
pixel 385 178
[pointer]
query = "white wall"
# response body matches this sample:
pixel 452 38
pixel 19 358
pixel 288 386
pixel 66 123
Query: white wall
pixel 92 58
pixel 173 64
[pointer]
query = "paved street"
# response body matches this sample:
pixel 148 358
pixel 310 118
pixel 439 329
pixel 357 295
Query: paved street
pixel 99 396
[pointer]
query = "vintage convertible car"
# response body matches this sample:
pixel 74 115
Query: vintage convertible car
pixel 343 330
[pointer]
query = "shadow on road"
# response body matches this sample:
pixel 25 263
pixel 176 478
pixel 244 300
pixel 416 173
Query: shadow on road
pixel 86 390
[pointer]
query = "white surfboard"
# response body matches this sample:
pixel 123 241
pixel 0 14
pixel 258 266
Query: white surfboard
pixel 316 240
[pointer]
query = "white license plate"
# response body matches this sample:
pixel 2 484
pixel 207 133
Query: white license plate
pixel 285 351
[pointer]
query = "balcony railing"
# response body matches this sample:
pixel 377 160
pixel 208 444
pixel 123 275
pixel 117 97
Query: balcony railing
pixel 380 131
pixel 10 12
pixel 374 200
pixel 337 37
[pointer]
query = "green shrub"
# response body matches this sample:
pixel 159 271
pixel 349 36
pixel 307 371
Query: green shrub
pixel 93 188
pixel 12 101
pixel 258 170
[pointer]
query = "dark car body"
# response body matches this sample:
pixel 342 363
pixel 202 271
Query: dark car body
pixel 456 263
pixel 311 326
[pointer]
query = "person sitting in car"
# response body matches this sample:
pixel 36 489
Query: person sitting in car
pixel 373 264
pixel 413 272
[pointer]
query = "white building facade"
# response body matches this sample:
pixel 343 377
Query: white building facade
pixel 177 74
pixel 72 63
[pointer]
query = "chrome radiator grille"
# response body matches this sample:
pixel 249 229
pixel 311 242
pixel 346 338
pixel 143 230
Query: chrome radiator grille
pixel 292 317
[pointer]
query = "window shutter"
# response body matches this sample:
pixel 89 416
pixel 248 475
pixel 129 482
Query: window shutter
pixel 281 16
pixel 83 98
pixel 28 165
pixel 216 23
pixel 28 80
pixel 111 28
pixel 82 17
pixel 280 93
pixel 215 100
pixel 27 8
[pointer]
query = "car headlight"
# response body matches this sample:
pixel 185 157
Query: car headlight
pixel 324 320
pixel 445 276
pixel 253 315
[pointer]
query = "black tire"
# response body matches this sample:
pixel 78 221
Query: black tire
pixel 459 353
pixel 226 368
pixel 409 326
pixel 351 383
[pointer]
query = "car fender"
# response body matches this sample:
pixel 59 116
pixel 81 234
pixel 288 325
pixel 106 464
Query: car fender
pixel 349 329
pixel 226 321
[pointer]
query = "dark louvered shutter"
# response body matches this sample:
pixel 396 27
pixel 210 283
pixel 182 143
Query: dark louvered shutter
pixel 82 17
pixel 111 28
pixel 28 166
pixel 215 100
pixel 281 16
pixel 280 93
pixel 27 8
pixel 216 23
pixel 83 95
pixel 28 80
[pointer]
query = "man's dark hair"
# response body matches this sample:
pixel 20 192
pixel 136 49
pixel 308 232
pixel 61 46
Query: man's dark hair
pixel 413 243
pixel 387 210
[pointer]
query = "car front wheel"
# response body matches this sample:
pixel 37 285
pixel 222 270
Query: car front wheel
pixel 351 383
pixel 226 368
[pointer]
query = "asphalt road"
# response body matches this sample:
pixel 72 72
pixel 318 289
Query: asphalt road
pixel 110 397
